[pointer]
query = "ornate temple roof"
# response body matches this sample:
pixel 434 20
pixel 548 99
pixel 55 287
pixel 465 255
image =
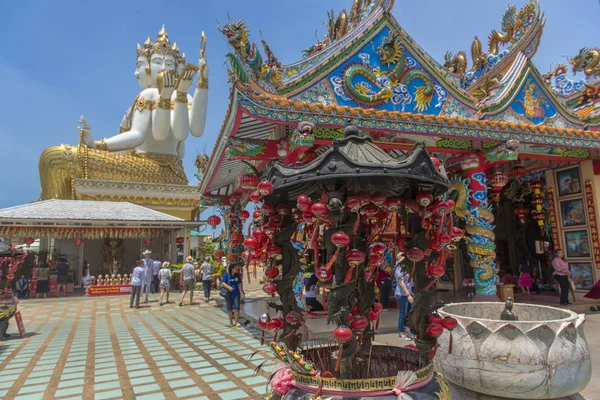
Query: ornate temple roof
pixel 370 73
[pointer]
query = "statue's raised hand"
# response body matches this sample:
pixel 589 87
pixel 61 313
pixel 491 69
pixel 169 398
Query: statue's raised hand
pixel 186 77
pixel 166 82
pixel 85 132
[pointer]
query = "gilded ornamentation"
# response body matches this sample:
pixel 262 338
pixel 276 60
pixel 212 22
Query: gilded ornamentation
pixel 457 64
pixel 83 233
pixel 142 104
pixel 593 220
pixel 245 147
pixel 165 104
pixel 453 143
pixel 181 97
pixel 101 145
pixel 146 200
pixel 588 61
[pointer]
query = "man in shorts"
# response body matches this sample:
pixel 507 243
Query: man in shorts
pixel 187 280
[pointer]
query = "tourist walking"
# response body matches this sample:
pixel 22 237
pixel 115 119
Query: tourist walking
pixel 62 276
pixel 403 295
pixel 137 278
pixel 187 280
pixel 43 275
pixel 164 276
pixel 384 283
pixel 207 272
pixel 561 275
pixel 148 274
pixel 525 281
pixel 156 265
pixel 232 281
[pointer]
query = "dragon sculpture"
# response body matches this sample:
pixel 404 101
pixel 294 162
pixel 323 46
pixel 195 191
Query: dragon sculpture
pixel 391 55
pixel 247 57
pixel 457 64
pixel 514 24
pixel 337 27
pixel 480 237
pixel 315 48
pixel 588 61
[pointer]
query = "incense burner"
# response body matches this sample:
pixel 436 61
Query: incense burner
pixel 543 355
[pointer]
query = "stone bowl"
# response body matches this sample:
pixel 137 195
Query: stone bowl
pixel 543 355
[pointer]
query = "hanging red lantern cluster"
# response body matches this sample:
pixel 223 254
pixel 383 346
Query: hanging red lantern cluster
pixel 213 221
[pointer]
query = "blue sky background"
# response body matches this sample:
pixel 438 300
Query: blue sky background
pixel 63 59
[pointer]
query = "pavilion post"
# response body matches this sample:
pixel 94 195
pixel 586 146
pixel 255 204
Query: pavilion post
pixel 479 226
pixel 185 242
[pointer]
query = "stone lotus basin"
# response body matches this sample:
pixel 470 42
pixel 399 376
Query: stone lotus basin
pixel 543 355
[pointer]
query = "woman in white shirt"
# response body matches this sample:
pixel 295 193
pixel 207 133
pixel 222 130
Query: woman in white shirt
pixel 137 278
pixel 164 276
pixel 403 295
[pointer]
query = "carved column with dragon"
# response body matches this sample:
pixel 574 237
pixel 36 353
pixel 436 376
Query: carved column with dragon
pixel 472 206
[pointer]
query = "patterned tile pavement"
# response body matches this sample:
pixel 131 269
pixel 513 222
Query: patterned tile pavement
pixel 99 348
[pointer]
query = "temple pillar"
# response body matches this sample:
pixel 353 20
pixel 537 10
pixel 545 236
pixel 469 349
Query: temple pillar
pixel 479 220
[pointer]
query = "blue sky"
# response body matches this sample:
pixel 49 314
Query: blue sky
pixel 63 59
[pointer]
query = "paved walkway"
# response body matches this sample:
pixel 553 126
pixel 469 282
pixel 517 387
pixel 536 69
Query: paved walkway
pixel 99 348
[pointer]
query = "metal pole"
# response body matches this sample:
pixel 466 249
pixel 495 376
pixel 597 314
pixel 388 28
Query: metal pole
pixel 185 243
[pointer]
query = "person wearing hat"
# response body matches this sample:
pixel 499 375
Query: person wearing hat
pixel 207 272
pixel 148 275
pixel 187 280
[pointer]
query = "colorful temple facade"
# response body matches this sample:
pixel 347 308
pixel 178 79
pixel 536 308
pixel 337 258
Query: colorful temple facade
pixel 519 146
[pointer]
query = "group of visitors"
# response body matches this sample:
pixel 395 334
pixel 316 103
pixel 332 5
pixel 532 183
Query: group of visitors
pixel 42 287
pixel 153 276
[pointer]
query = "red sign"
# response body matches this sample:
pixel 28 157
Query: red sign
pixel 109 290
pixel 20 324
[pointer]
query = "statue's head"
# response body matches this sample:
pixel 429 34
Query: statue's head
pixel 157 57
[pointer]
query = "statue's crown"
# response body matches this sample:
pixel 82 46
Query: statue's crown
pixel 162 45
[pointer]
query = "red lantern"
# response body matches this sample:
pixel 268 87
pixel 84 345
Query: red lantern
pixel 371 210
pixel 237 237
pixel 28 241
pixel 359 323
pixel 304 202
pixel 436 163
pixel 251 243
pixel 449 323
pixel 498 181
pixel 272 273
pixel 249 182
pixel 323 274
pixel 522 213
pixel 274 252
pixel 265 188
pixel 342 334
pixel 263 321
pixel 219 254
pixel 257 214
pixel 353 204
pixel 518 171
pixel 270 288
pixel 78 241
pixel 378 248
pixel 415 254
pixel 377 307
pixel 320 210
pixel 401 244
pixel 293 318
pixel 364 198
pixel 355 257
pixel 308 217
pixel 373 316
pixel 213 221
pixel 444 238
pixel 179 240
pixel 340 239
pixel 378 199
pixel 260 235
pixel 255 197
pixel 434 330
pixel 458 234
pixel 375 259
pixel 424 199
pixel 282 209
pixel 435 319
pixel 245 256
pixel 393 204
pixel 435 271
pixel 355 309
pixel 268 209
pixel 231 258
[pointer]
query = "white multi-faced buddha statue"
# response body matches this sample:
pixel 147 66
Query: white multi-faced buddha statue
pixel 151 140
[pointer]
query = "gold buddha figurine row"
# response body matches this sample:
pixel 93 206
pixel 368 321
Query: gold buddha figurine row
pixel 110 280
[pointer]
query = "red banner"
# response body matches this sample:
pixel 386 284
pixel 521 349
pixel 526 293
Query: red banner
pixel 591 207
pixel 109 290
pixel 20 324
